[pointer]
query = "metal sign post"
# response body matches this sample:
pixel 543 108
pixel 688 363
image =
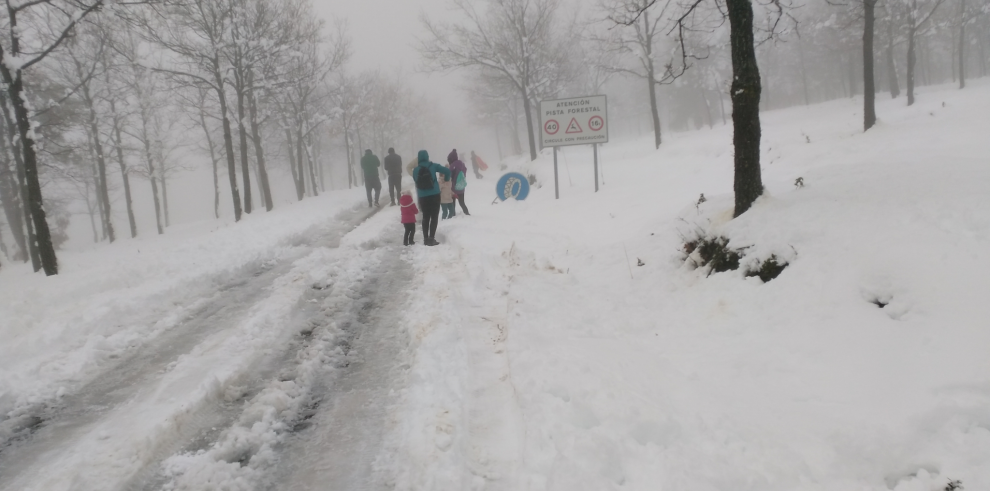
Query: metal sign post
pixel 584 120
pixel 595 149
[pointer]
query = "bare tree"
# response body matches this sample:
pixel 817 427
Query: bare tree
pixel 640 30
pixel 196 33
pixel 869 81
pixel 511 38
pixel 746 86
pixel 918 15
pixel 29 46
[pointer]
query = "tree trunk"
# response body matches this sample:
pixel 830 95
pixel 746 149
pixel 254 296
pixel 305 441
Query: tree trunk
pixel 721 105
pixel 35 202
pixel 39 234
pixel 654 114
pixel 101 162
pixel 291 147
pixel 745 93
pixel 498 141
pixel 92 214
pixel 528 111
pixel 300 159
pixel 259 152
pixel 708 108
pixel 168 222
pixel 804 72
pixel 911 59
pixel 21 185
pixel 516 143
pixel 228 139
pixel 152 172
pixel 124 173
pixel 962 44
pixel 312 166
pixel 242 137
pixel 99 198
pixel 10 197
pixel 869 83
pixel 350 168
pixel 895 88
pixel 851 73
pixel 214 159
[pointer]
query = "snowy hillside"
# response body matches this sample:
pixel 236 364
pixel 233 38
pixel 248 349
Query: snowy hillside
pixel 552 361
pixel 546 344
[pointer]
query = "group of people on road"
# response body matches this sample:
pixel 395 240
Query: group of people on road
pixel 434 194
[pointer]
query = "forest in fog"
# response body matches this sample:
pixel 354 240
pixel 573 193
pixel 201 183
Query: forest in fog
pixel 109 106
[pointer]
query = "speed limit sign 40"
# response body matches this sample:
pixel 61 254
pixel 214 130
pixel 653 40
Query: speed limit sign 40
pixel 551 127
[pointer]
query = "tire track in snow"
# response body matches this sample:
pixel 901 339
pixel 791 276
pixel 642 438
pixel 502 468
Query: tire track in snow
pixel 339 446
pixel 48 426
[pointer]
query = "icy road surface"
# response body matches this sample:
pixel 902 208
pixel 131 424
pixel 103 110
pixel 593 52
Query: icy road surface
pixel 281 352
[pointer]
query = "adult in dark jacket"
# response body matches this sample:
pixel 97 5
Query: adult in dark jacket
pixel 393 166
pixel 458 169
pixel 370 165
pixel 428 190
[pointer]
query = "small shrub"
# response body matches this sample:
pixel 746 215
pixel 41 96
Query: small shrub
pixel 953 485
pixel 799 182
pixel 714 252
pixel 768 270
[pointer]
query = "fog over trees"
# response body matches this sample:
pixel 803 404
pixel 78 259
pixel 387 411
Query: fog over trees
pixel 110 107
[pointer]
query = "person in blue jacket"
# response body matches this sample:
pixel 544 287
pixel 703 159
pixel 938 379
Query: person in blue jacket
pixel 428 191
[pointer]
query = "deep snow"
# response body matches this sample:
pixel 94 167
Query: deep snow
pixel 534 353
pixel 552 361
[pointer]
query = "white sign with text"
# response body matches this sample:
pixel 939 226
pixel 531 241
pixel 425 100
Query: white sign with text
pixel 575 121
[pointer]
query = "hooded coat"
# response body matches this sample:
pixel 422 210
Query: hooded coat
pixel 408 208
pixel 446 192
pixel 426 166
pixel 457 168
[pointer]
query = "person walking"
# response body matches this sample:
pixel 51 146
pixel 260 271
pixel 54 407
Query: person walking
pixel 459 171
pixel 370 165
pixel 428 191
pixel 409 211
pixel 476 165
pixel 393 167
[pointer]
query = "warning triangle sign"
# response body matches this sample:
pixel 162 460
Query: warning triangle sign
pixel 574 127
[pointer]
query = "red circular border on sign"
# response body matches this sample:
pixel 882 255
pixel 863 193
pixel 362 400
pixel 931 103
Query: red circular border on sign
pixel 592 127
pixel 554 132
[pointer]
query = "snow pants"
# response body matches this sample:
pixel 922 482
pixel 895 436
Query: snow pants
pixel 448 210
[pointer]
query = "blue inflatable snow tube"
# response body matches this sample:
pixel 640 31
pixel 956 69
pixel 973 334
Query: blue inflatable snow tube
pixel 512 185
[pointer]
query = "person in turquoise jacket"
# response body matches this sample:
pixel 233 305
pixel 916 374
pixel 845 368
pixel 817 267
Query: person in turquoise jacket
pixel 428 191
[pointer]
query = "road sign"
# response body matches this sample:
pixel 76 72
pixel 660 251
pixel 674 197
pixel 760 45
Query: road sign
pixel 587 119
pixel 512 185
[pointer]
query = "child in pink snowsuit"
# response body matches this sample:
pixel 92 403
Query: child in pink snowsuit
pixel 409 211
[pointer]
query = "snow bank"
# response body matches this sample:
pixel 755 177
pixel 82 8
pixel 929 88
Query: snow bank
pixel 60 331
pixel 547 358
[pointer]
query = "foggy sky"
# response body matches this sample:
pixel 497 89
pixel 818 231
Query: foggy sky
pixel 384 35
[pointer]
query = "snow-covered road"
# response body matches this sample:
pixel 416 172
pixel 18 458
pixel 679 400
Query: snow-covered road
pixel 251 362
pixel 338 448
